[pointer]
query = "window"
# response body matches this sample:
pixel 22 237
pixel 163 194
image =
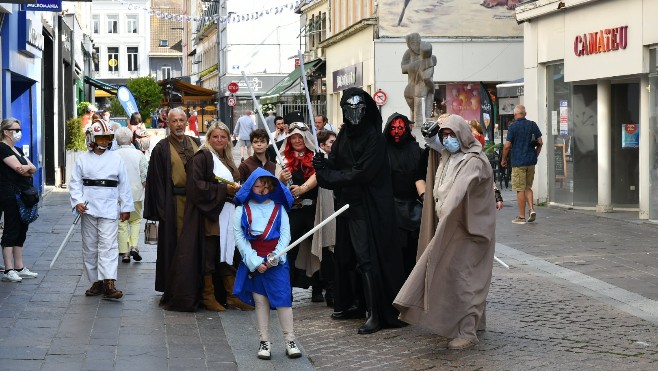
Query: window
pixel 132 24
pixel 112 24
pixel 132 59
pixel 96 23
pixel 94 57
pixel 165 72
pixel 113 59
pixel 164 43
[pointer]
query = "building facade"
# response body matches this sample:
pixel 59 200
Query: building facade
pixel 591 83
pixel 366 43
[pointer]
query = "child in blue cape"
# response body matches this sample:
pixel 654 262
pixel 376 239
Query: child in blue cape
pixel 261 227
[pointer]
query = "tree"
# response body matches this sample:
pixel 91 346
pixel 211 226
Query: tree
pixel 147 93
pixel 116 109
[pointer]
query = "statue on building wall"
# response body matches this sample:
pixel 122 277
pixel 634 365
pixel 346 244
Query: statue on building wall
pixel 418 64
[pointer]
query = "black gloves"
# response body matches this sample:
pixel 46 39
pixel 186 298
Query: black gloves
pixel 429 129
pixel 319 162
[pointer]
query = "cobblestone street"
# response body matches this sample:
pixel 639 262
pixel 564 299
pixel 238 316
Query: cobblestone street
pixel 579 295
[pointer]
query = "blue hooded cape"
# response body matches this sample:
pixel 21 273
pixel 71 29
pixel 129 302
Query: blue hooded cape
pixel 280 194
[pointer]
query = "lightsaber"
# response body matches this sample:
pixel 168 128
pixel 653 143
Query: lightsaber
pixel 308 99
pixel 501 262
pixel 66 239
pixel 226 181
pixel 259 108
pixel 274 259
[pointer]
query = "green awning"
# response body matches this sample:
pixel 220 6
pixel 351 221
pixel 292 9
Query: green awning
pixel 272 95
pixel 98 84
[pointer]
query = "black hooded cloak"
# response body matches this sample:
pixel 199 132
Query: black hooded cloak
pixel 359 174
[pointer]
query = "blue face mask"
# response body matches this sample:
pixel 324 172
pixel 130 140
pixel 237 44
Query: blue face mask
pixel 452 144
pixel 260 198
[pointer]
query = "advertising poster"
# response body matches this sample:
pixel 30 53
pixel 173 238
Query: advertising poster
pixel 630 135
pixel 564 117
pixel 464 100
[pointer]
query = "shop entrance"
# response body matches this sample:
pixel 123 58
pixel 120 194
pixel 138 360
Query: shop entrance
pixel 625 129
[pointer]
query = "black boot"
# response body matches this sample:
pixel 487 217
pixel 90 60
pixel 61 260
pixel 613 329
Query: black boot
pixel 373 323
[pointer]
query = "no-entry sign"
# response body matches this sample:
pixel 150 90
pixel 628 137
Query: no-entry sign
pixel 380 97
pixel 231 101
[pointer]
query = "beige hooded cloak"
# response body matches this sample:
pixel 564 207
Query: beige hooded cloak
pixel 447 289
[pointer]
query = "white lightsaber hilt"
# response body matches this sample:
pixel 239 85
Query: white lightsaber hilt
pixel 274 259
pixel 501 262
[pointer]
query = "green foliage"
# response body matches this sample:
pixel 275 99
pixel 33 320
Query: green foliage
pixel 267 107
pixel 490 146
pixel 75 136
pixel 116 109
pixel 82 108
pixel 148 94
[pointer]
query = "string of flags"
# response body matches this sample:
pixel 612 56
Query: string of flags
pixel 232 18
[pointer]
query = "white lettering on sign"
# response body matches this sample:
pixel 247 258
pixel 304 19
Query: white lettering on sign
pixel 346 79
pixel 34 36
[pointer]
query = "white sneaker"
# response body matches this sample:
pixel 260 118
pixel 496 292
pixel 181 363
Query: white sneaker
pixel 11 276
pixel 264 350
pixel 26 273
pixel 292 351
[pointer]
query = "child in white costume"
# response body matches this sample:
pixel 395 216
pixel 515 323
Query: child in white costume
pixel 99 179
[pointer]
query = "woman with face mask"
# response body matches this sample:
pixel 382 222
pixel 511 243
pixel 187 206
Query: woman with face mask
pixel 15 175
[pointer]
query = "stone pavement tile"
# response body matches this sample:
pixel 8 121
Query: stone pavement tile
pixel 68 346
pixel 63 362
pixel 20 364
pixel 187 364
pixel 98 365
pixel 186 351
pixel 224 366
pixel 21 352
pixel 100 352
pixel 180 340
pixel 157 350
pixel 140 340
pixel 141 363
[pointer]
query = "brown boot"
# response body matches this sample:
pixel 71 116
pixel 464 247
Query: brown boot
pixel 110 291
pixel 95 289
pixel 209 300
pixel 233 301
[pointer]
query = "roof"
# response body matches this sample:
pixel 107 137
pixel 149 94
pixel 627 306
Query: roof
pixel 186 88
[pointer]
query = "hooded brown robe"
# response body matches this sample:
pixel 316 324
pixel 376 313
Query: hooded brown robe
pixel 205 199
pixel 162 205
pixel 447 289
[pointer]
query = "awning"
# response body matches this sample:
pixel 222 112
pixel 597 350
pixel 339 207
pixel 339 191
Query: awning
pixel 103 94
pixel 510 89
pixel 98 84
pixel 272 95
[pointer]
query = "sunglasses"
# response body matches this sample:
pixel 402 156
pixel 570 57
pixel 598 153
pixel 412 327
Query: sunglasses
pixel 297 125
pixel 16 130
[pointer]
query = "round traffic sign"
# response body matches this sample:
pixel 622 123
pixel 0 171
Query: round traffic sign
pixel 380 97
pixel 233 87
pixel 231 101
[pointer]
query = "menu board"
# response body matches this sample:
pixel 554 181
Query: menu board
pixel 559 154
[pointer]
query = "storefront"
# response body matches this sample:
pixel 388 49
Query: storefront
pixel 590 76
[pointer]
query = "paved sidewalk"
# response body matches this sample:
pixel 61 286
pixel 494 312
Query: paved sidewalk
pixel 582 293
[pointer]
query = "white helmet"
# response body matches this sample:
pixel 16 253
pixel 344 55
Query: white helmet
pixel 98 128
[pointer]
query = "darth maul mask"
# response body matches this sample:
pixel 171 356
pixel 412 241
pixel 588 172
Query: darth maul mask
pixel 397 129
pixel 354 110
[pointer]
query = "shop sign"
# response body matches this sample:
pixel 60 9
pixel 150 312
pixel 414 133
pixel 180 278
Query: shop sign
pixel 30 40
pixel 606 40
pixel 34 35
pixel 349 77
pixel 564 117
pixel 630 135
pixel 45 6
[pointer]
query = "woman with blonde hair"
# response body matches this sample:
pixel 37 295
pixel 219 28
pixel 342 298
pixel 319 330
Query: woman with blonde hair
pixel 477 132
pixel 207 243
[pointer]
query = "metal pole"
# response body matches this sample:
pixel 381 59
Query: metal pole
pixel 308 99
pixel 219 55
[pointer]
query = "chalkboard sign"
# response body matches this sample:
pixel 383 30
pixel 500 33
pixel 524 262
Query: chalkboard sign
pixel 560 162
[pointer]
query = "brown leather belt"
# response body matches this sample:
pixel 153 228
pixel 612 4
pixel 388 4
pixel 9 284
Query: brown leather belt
pixel 179 191
pixel 301 202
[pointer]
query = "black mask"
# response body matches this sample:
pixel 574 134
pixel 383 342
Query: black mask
pixel 354 110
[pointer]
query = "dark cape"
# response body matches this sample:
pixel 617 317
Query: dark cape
pixel 160 205
pixel 359 174
pixel 205 199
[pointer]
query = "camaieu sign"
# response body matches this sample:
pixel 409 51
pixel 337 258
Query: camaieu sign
pixel 606 40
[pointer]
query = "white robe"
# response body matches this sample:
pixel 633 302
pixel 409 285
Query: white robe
pixel 226 237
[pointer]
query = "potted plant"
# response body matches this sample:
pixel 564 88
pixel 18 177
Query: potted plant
pixel 75 144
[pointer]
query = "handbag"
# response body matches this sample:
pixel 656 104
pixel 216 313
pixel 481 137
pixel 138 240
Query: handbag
pixel 29 196
pixel 151 233
pixel 28 213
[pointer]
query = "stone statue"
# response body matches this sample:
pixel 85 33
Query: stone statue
pixel 418 64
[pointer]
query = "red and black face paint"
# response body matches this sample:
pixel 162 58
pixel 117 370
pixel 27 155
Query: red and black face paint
pixel 397 129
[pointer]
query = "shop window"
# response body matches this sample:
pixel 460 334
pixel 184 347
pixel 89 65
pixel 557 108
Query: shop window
pixel 113 59
pixel 131 23
pixel 112 24
pixel 133 57
pixel 95 59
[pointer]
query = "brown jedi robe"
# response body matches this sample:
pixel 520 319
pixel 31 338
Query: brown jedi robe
pixel 447 289
pixel 205 200
pixel 252 163
pixel 160 205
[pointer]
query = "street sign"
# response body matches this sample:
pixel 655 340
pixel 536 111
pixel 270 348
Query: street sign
pixel 233 87
pixel 380 97
pixel 231 101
